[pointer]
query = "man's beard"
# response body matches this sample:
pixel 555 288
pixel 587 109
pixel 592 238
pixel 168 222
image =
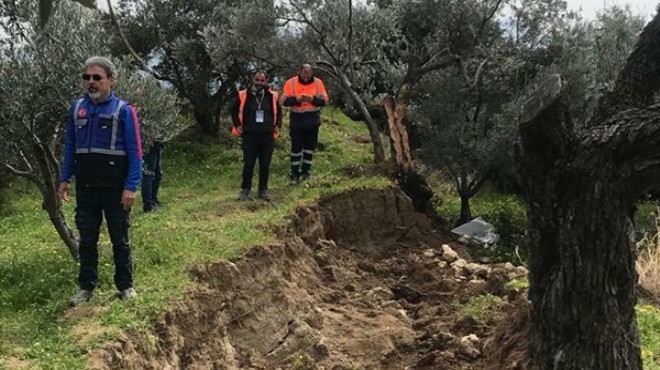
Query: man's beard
pixel 93 93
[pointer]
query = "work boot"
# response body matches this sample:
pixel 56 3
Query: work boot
pixel 127 294
pixel 82 296
pixel 244 195
pixel 293 180
pixel 263 194
pixel 305 176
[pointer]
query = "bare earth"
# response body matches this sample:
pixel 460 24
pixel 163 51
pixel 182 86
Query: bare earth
pixel 359 281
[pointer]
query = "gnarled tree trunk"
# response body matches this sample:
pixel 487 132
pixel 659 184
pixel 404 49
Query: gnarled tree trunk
pixel 52 202
pixel 581 189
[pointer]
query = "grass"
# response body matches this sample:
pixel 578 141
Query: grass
pixel 202 222
pixel 482 308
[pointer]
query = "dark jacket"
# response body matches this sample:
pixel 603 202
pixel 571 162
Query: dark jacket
pixel 252 103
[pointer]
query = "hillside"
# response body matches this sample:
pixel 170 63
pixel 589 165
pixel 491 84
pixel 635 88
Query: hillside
pixel 338 273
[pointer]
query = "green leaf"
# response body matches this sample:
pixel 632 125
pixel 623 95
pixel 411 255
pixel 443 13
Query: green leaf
pixel 45 9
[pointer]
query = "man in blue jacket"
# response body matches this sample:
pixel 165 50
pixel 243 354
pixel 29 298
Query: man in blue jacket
pixel 103 152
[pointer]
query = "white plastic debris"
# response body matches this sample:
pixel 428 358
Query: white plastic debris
pixel 478 229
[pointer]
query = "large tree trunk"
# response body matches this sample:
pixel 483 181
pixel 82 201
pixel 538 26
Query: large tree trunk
pixel 52 203
pixel 379 152
pixel 581 189
pixel 205 116
pixel 581 202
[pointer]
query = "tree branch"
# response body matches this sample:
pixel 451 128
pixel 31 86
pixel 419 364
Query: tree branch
pixel 639 79
pixel 308 22
pixel 632 139
pixel 123 38
pixel 17 172
pixel 439 60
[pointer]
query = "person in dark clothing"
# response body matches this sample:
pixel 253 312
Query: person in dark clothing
pixel 102 150
pixel 257 118
pixel 304 94
pixel 152 174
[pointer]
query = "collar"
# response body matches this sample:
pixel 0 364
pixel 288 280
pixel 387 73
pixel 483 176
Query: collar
pixel 311 81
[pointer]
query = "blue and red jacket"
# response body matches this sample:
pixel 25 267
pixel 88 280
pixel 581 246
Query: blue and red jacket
pixel 102 146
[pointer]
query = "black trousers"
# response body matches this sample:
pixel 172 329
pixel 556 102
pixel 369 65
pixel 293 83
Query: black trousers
pixel 304 139
pixel 257 146
pixel 152 174
pixel 91 204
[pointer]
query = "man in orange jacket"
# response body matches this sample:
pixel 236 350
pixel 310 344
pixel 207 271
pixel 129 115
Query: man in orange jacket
pixel 256 116
pixel 305 95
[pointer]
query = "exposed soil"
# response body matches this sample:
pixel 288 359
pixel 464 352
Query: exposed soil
pixel 359 281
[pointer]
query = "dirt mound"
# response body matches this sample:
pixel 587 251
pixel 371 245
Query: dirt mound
pixel 360 281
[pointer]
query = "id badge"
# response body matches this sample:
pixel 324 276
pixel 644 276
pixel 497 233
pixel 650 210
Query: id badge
pixel 259 117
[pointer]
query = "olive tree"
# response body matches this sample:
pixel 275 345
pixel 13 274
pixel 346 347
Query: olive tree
pixel 39 77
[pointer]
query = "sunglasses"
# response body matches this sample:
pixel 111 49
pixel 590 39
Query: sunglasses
pixel 87 77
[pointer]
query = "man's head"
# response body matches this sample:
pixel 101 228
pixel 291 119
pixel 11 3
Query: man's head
pixel 260 80
pixel 98 78
pixel 306 72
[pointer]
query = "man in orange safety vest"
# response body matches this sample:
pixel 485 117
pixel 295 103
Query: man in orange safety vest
pixel 256 118
pixel 304 94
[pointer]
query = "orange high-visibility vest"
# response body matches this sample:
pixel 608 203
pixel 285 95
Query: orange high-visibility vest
pixel 293 89
pixel 242 97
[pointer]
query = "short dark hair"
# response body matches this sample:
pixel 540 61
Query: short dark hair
pixel 261 72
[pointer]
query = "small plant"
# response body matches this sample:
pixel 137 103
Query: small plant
pixel 483 308
pixel 302 362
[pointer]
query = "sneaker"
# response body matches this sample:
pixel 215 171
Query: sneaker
pixel 244 194
pixel 82 296
pixel 293 181
pixel 263 194
pixel 127 294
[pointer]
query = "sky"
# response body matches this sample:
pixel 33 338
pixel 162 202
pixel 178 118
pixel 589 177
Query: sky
pixel 590 7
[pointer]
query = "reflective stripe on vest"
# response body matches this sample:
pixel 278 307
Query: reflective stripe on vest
pixel 242 97
pixel 299 109
pixel 75 114
pixel 115 123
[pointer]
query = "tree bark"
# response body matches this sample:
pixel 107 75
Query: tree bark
pixel 206 119
pixel 581 190
pixel 52 203
pixel 396 119
pixel 466 213
pixel 379 152
pixel 580 201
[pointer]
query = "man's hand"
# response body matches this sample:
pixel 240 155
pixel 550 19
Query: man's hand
pixel 64 190
pixel 239 128
pixel 127 199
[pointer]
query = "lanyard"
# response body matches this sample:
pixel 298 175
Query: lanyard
pixel 259 102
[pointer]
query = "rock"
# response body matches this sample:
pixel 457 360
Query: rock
pixel 458 266
pixel 442 264
pixel 380 294
pixel 522 270
pixel 468 346
pixel 477 269
pixel 509 266
pixel 429 253
pixel 449 254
